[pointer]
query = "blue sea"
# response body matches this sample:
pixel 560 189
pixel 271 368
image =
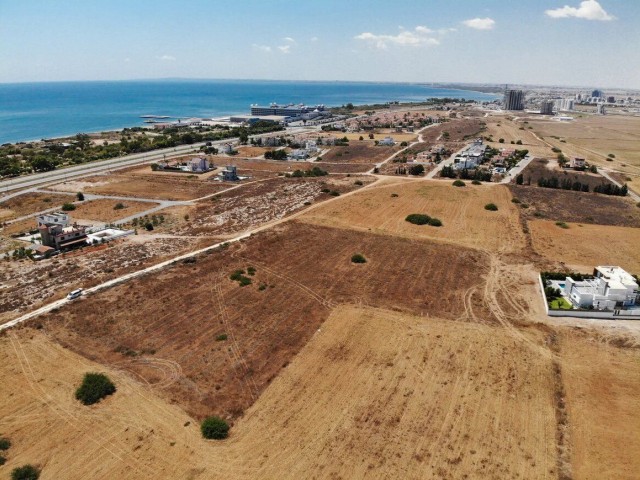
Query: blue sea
pixel 31 111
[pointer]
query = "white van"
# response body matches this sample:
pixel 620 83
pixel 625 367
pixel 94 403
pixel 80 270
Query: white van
pixel 74 294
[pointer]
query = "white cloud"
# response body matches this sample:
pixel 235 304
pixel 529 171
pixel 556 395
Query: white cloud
pixel 289 39
pixel 314 39
pixel 285 48
pixel 262 48
pixel 588 10
pixel 480 23
pixel 167 58
pixel 418 37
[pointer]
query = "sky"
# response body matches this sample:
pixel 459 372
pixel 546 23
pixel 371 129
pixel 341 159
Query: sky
pixel 535 42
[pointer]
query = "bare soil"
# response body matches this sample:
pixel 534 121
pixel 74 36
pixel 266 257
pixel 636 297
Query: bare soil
pixel 266 327
pixel 384 208
pixel 29 203
pixel 583 246
pixel 578 207
pixel 103 210
pixel 359 152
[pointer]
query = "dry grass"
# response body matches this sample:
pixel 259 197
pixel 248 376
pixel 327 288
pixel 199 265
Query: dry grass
pixel 585 246
pixel 30 203
pixel 602 399
pixel 103 210
pixel 460 209
pixel 374 394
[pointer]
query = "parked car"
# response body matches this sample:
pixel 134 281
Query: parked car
pixel 74 294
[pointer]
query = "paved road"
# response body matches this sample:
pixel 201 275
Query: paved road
pixel 392 156
pixel 443 163
pixel 606 175
pixel 76 171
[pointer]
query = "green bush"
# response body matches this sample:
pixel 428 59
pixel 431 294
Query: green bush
pixel 334 193
pixel 395 195
pixel 5 444
pixel 214 428
pixel 418 219
pixel 222 337
pixel 435 222
pixel 68 207
pixel 459 183
pixel 251 271
pixel 358 258
pixel 118 206
pixel 357 182
pixel 80 196
pixel 148 226
pixel 244 281
pixel 491 207
pixel 237 275
pixel 476 182
pixel 26 472
pixel 94 388
pixel 562 225
pixel 515 200
pixel 3 460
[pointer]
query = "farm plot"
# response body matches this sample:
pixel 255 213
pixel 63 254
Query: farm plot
pixel 107 210
pixel 266 322
pixel 359 152
pixel 27 284
pixel 383 209
pixel 30 203
pixel 584 246
pixel 577 207
pixel 162 187
pixel 601 382
pixel 258 202
pixel 379 394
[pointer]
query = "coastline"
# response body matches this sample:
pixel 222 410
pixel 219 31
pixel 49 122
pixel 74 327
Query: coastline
pixel 123 102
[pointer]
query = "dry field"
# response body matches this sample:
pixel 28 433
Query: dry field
pixel 102 210
pixel 503 127
pixel 161 187
pixel 461 210
pixel 266 327
pixel 583 246
pixel 359 152
pixel 602 397
pixel 30 203
pixel 379 134
pixel 249 151
pixel 27 284
pixel 594 137
pixel 577 207
pixel 258 202
pixel 543 168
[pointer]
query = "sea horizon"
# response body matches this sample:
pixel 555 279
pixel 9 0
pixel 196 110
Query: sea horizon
pixel 32 111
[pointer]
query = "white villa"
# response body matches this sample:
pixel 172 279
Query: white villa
pixel 611 288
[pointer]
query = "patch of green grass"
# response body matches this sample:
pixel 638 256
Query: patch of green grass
pixel 560 304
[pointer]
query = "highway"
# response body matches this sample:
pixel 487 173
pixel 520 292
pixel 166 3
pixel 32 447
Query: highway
pixel 100 166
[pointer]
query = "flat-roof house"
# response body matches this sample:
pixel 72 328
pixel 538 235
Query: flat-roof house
pixel 299 154
pixel 56 218
pixel 387 141
pixel 577 163
pixel 611 288
pixel 199 164
pixel 230 174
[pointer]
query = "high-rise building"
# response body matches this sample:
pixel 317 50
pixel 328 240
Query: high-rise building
pixel 597 94
pixel 513 100
pixel 546 108
pixel 565 105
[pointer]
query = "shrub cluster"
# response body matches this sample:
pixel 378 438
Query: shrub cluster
pixel 26 472
pixel 214 428
pixel 459 183
pixel 238 276
pixel 314 172
pixel 491 206
pixel 94 388
pixel 68 207
pixel 275 154
pixel 358 258
pixel 421 219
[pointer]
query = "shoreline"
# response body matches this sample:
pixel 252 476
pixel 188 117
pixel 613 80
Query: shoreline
pixel 24 122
